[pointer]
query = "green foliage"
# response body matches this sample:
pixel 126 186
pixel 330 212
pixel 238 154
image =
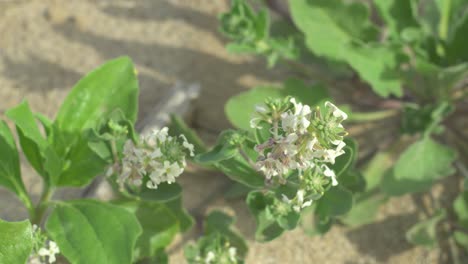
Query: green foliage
pixel 347 35
pixel 165 192
pixel 425 119
pixel 397 14
pixel 314 224
pixel 220 240
pixel 10 175
pixel 418 167
pixel 267 227
pixel 226 147
pixel 460 206
pixel 73 150
pixel 424 232
pixel 365 209
pixel 335 202
pixel 159 226
pixel 178 126
pixel 16 241
pixel 249 31
pixel 111 86
pixel 37 149
pixel 220 222
pixel 89 231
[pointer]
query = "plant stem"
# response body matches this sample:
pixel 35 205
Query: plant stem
pixel 246 157
pixel 26 199
pixel 444 20
pixel 42 205
pixel 372 116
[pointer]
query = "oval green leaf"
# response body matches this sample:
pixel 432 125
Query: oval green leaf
pixel 15 241
pixel 89 231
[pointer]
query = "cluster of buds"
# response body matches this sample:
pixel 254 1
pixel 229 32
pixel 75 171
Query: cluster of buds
pixel 44 250
pixel 156 158
pixel 302 140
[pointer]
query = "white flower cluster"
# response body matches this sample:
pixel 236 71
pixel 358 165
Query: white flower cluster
pixel 158 156
pixel 225 257
pixel 46 254
pixel 301 139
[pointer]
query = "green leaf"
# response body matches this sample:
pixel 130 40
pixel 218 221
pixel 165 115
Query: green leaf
pixel 223 150
pixel 376 168
pixel 460 205
pixel 353 180
pixel 109 88
pixel 396 187
pixel 313 224
pixel 424 233
pixel 82 162
pixel 425 160
pixel 185 219
pixel 45 122
pixel 164 192
pixel 220 222
pixel 239 108
pixel 89 231
pixel 343 32
pixel 365 209
pixel 10 174
pixel 461 238
pixel 178 127
pixel 422 163
pixel 15 241
pixel 397 14
pixel 456 49
pixel 113 85
pixel 160 258
pixel 240 171
pixel 267 228
pixel 159 227
pixel 38 151
pixel 160 223
pixel 336 201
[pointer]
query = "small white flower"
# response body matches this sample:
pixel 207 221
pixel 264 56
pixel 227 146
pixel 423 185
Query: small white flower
pixel 298 203
pixel 271 167
pixel 187 145
pixel 161 135
pixel 49 252
pixel 172 171
pixel 210 257
pixel 301 204
pixel 329 155
pixel 297 122
pixel 232 253
pixel 156 153
pixel 336 111
pixel 329 173
pixel 287 145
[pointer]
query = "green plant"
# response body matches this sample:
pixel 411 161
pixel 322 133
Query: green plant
pixel 289 154
pixel 412 55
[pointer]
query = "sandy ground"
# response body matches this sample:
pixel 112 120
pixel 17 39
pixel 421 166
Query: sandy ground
pixel 45 46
